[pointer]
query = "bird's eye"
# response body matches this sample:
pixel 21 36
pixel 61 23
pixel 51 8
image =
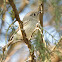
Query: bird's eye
pixel 34 14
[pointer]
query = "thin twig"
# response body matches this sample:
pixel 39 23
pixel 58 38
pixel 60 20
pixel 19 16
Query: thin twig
pixel 41 18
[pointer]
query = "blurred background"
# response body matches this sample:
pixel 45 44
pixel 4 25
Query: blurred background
pixel 52 22
pixel 52 18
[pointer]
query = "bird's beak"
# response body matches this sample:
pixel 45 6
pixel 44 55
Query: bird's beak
pixel 39 12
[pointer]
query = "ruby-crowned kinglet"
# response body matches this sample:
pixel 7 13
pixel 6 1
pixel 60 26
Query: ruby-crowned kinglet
pixel 29 24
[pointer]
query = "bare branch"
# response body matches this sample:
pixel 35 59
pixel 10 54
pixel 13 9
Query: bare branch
pixel 21 27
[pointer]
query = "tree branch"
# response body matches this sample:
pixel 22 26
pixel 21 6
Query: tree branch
pixel 41 18
pixel 21 28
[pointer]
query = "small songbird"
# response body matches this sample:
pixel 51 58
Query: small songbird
pixel 29 24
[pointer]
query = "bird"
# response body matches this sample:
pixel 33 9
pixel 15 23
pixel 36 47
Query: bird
pixel 29 23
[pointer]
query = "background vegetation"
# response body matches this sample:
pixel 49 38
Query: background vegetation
pixel 51 29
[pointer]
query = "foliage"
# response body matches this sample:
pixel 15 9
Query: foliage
pixel 38 46
pixel 12 14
